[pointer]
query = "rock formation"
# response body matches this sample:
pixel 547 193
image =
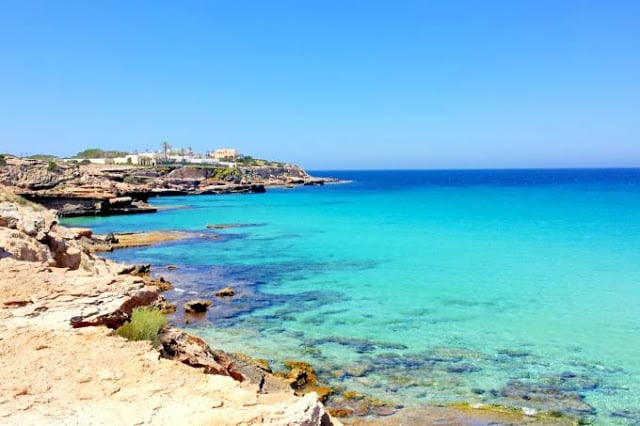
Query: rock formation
pixel 82 190
pixel 61 362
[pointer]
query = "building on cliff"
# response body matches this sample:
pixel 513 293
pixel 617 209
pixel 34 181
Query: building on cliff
pixel 225 154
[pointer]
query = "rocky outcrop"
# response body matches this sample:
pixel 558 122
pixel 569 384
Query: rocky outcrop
pixel 72 191
pixel 30 233
pixel 280 174
pixel 62 363
pixel 197 306
pixel 75 190
pixel 193 351
pixel 225 292
pixel 19 246
pixel 36 175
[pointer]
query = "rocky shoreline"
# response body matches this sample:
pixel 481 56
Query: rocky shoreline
pixel 60 305
pixel 88 190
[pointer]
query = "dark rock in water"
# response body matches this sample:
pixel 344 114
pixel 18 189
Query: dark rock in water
pixel 172 267
pixel 357 370
pixel 628 415
pixel 545 397
pixel 514 353
pixel 462 368
pixel 138 270
pixel 300 373
pixel 383 410
pixel 110 238
pixel 340 412
pixel 323 392
pixel 360 345
pixel 197 306
pixel 225 225
pixel 164 306
pixel 225 292
pixel 569 381
pixel 478 391
pixel 160 282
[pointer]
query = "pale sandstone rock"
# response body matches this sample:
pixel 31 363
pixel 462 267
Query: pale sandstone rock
pixel 23 247
pixel 55 374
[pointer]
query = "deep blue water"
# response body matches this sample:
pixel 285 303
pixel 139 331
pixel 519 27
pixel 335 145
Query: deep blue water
pixel 426 286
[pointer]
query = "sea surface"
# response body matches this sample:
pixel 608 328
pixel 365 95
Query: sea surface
pixel 516 287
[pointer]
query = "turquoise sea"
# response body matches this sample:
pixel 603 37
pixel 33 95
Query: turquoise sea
pixel 516 287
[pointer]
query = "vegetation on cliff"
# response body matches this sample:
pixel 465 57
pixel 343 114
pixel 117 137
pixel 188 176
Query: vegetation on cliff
pixel 100 153
pixel 146 322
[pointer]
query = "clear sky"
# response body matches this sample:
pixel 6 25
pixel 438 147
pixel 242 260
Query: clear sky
pixel 328 84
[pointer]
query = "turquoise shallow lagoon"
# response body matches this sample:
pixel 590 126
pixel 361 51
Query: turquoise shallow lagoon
pixel 512 287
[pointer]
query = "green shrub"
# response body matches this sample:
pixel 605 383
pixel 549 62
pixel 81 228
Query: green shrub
pixel 52 165
pixel 145 324
pixel 3 161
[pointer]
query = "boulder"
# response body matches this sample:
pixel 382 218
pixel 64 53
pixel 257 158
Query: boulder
pixel 24 218
pixel 196 306
pixel 79 233
pixel 22 247
pixel 67 253
pixel 225 292
pixel 258 372
pixel 192 350
pixel 164 306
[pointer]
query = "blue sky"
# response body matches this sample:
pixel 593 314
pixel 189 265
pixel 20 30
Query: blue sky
pixel 328 84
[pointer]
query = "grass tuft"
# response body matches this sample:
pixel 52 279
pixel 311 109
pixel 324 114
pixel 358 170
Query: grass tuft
pixel 145 324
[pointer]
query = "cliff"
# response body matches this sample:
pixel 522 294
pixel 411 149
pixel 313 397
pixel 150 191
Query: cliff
pixel 61 362
pixel 81 190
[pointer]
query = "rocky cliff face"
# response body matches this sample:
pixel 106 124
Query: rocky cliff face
pixel 60 365
pixel 36 175
pixel 66 188
pixel 75 190
pixel 31 233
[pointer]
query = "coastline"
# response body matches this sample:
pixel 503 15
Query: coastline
pixel 462 414
pixel 352 408
pixel 59 306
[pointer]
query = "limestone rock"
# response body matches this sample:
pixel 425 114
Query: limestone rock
pixel 65 253
pixel 196 306
pixel 25 219
pixel 164 306
pixel 194 351
pixel 258 372
pixel 23 247
pixel 225 292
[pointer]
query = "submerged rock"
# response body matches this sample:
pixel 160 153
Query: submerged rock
pixel 545 397
pixel 462 368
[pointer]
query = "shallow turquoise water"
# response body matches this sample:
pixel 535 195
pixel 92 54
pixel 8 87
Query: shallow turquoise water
pixel 421 287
